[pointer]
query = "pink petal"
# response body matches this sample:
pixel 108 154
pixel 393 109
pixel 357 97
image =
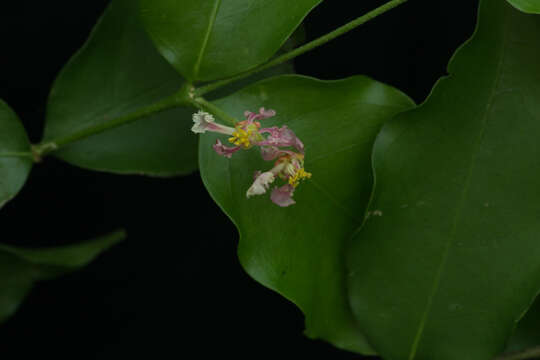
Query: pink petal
pixel 299 145
pixel 266 113
pixel 282 137
pixel 226 151
pixel 271 152
pixel 250 116
pixel 282 196
pixel 263 114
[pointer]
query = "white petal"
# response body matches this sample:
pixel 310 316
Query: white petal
pixel 201 120
pixel 261 184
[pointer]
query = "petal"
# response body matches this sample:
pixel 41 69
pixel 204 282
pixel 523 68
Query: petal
pixel 263 114
pixel 273 131
pixel 282 196
pixel 201 120
pixel 282 137
pixel 266 113
pixel 204 122
pixel 299 145
pixel 250 116
pixel 226 151
pixel 269 153
pixel 261 184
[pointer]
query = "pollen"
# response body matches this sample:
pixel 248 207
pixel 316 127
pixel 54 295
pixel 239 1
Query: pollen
pixel 301 174
pixel 241 137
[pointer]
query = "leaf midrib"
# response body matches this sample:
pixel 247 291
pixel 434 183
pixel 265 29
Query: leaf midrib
pixel 461 202
pixel 15 154
pixel 204 45
pixel 92 119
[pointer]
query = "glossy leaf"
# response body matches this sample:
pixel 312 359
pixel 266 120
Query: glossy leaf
pixel 15 154
pixel 298 251
pixel 207 40
pixel 21 268
pixel 528 6
pixel 453 260
pixel 117 72
pixel 297 38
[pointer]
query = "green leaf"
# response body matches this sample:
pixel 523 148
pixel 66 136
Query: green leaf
pixel 528 6
pixel 21 268
pixel 118 71
pixel 453 260
pixel 298 251
pixel 207 40
pixel 297 38
pixel 527 333
pixel 15 154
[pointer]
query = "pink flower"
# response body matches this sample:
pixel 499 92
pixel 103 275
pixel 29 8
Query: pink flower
pixel 276 143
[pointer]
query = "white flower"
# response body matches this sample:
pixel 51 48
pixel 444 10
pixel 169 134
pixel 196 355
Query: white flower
pixel 261 184
pixel 202 121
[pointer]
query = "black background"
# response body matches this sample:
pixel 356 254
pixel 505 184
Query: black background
pixel 175 288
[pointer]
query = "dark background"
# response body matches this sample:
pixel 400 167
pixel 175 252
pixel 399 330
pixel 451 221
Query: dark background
pixel 175 288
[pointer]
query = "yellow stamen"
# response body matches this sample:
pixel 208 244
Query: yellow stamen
pixel 240 137
pixel 301 174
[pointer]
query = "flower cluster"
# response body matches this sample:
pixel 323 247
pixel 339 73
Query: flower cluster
pixel 278 144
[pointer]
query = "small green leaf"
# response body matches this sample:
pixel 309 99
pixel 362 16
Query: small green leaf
pixel 453 260
pixel 207 40
pixel 298 251
pixel 15 154
pixel 117 72
pixel 528 6
pixel 21 268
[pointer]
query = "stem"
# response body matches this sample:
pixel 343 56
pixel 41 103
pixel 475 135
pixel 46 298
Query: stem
pixel 532 353
pixel 188 95
pixel 304 48
pixel 202 104
pixel 178 99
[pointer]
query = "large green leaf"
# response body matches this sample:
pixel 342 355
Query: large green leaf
pixel 206 40
pixel 298 251
pixel 118 71
pixel 453 260
pixel 529 6
pixel 21 268
pixel 15 158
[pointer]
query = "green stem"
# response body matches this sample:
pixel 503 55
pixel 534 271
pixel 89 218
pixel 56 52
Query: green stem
pixel 178 99
pixel 188 95
pixel 211 108
pixel 304 48
pixel 529 354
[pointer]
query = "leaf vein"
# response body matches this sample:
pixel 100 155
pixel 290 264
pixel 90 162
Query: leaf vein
pixel 204 45
pixel 461 203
